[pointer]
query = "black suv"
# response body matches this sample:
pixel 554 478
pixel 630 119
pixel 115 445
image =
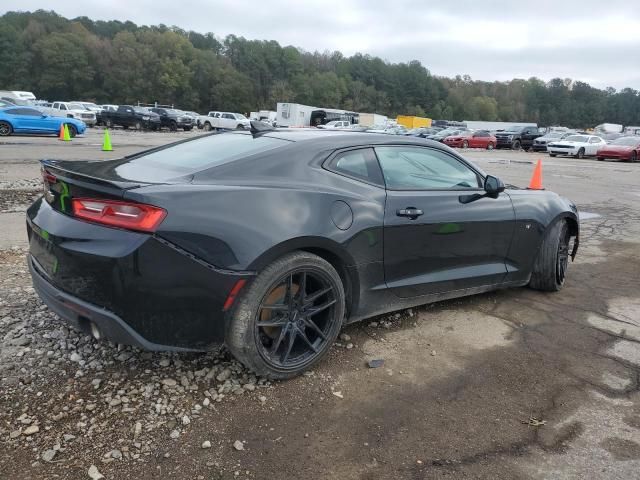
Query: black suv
pixel 174 119
pixel 517 138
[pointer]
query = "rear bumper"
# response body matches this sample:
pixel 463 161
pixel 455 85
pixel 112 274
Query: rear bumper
pixel 137 288
pixel 82 314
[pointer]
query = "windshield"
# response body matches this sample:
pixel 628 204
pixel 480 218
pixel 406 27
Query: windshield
pixel 554 135
pixel 628 141
pixel 194 156
pixel 448 131
pixel 239 116
pixel 77 106
pixel 576 138
pixel 89 105
pixel 140 110
pixel 513 130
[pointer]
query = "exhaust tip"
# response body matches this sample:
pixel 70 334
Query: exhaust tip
pixel 95 331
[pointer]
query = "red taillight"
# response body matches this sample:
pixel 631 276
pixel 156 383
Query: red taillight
pixel 129 215
pixel 233 294
pixel 48 177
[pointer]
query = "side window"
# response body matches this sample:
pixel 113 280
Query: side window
pixel 419 168
pixel 63 107
pixel 228 116
pixel 360 164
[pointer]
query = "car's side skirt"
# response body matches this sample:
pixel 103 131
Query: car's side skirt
pixel 388 302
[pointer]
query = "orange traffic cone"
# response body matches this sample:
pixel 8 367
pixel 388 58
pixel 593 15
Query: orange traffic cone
pixel 536 180
pixel 61 134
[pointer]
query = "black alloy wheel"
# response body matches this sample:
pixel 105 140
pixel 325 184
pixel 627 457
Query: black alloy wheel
pixel 287 318
pixel 295 319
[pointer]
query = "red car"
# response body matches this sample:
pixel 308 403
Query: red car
pixel 479 139
pixel 623 148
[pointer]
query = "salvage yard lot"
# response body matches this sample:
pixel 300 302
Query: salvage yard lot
pixel 510 384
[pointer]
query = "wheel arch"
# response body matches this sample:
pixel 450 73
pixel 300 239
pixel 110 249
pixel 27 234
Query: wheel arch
pixel 328 250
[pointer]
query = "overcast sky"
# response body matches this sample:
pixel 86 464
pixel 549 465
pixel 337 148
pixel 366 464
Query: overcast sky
pixel 593 41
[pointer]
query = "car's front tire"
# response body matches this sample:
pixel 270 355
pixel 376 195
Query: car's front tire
pixel 550 267
pixel 580 153
pixel 288 318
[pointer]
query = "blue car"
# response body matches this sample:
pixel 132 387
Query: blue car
pixel 18 119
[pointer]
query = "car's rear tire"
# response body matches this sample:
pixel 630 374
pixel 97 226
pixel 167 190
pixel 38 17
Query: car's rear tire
pixel 108 123
pixel 550 267
pixel 580 153
pixel 5 129
pixel 465 144
pixel 490 146
pixel 600 159
pixel 299 294
pixel 633 157
pixel 72 130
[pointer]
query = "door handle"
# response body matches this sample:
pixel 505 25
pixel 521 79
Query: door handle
pixel 409 212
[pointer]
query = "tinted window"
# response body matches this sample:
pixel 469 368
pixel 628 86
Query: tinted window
pixel 23 111
pixel 228 115
pixel 194 156
pixel 359 163
pixel 416 168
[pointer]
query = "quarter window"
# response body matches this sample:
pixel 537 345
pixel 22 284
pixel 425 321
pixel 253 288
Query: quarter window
pixel 418 168
pixel 360 163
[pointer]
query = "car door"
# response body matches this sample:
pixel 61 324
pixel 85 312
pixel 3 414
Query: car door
pixel 528 134
pixel 441 232
pixel 476 140
pixel 228 121
pixel 594 144
pixel 34 121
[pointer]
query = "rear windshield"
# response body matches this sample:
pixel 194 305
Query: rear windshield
pixel 194 156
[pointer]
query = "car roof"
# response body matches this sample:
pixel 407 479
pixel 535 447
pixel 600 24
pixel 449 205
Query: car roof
pixel 343 138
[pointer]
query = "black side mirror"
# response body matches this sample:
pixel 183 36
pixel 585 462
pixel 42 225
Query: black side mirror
pixel 493 185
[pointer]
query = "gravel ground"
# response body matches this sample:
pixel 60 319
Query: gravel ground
pixel 511 384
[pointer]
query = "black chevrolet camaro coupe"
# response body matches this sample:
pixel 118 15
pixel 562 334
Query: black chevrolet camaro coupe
pixel 271 241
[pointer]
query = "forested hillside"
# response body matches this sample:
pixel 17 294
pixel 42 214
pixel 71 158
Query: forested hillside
pixel 116 62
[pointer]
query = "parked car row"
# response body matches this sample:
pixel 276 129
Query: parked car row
pixel 145 118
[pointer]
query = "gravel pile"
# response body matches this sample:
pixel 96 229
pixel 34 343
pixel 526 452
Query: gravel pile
pixel 69 399
pixel 22 184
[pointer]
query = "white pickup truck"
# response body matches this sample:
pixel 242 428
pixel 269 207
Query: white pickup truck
pixel 223 121
pixel 72 110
